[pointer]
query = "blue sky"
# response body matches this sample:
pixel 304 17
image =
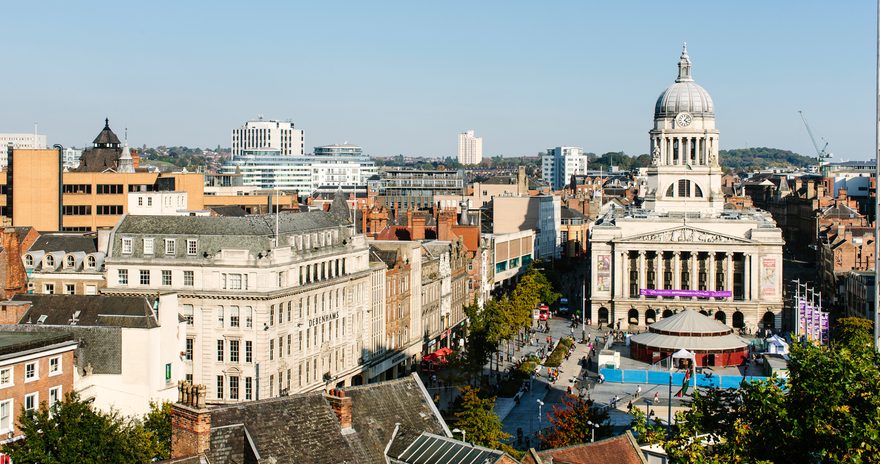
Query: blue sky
pixel 406 77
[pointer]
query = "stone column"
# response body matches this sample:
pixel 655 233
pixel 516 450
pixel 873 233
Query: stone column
pixel 695 275
pixel 624 272
pixel 676 272
pixel 747 277
pixel 728 274
pixel 643 272
pixel 687 149
pixel 710 273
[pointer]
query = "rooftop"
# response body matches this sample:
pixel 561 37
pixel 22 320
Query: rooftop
pixel 89 310
pixel 12 343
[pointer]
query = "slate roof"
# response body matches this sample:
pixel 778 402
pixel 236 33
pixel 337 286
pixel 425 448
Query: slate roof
pixel 568 213
pixel 100 348
pixel 106 135
pixel 94 310
pixel 263 225
pixel 304 428
pixel 13 343
pixel 231 210
pixel 386 257
pixel 622 449
pixel 65 241
pixel 428 448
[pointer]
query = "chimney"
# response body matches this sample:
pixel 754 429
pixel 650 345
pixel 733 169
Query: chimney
pixel 841 194
pixel 190 422
pixel 417 227
pixel 341 405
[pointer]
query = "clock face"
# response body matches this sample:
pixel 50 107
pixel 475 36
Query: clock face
pixel 684 119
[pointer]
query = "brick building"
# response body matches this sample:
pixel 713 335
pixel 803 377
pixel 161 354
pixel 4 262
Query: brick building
pixel 35 368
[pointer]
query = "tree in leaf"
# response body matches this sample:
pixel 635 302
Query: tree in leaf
pixel 572 424
pixel 72 431
pixel 478 419
pixel 158 422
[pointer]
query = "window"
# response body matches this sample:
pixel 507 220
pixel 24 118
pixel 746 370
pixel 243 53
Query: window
pixel 684 188
pixel 140 201
pixel 271 349
pixel 149 201
pixel 233 388
pixel 248 351
pixel 192 247
pixel 219 387
pixel 248 316
pixel 122 276
pixel 280 347
pixel 234 281
pixel 109 210
pixel 189 349
pixel 28 260
pixel 31 402
pixel 69 289
pixel 170 246
pixel 91 262
pixel 220 345
pixel 54 365
pixel 166 277
pixel 6 377
pixel 6 416
pixel 188 278
pixel 220 316
pixel 248 388
pixel 77 210
pixel 233 351
pixel 77 188
pixel 271 314
pixel 70 261
pixel 288 343
pixel 126 245
pixel 145 277
pixel 109 189
pixel 54 395
pixel 49 289
pixel 233 316
pixel 271 385
pixel 148 246
pixel 187 312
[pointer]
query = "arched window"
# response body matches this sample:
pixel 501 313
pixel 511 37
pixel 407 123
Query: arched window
pixel 698 192
pixel 671 190
pixel 28 260
pixel 91 262
pixel 71 261
pixel 50 261
pixel 684 188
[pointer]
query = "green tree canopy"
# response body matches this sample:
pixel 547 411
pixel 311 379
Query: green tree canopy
pixel 158 422
pixel 72 431
pixel 478 419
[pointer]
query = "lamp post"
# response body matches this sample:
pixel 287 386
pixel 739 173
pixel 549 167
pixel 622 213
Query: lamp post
pixel 462 432
pixel 540 405
pixel 593 428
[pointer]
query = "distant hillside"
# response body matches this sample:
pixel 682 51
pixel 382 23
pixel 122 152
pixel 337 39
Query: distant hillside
pixel 748 159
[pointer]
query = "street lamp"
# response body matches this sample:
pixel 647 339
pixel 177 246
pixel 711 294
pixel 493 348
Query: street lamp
pixel 540 405
pixel 593 428
pixel 462 432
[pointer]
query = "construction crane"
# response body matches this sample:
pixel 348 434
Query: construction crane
pixel 823 153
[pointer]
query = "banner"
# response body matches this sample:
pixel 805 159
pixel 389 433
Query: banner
pixel 768 277
pixel 685 293
pixel 812 322
pixel 603 273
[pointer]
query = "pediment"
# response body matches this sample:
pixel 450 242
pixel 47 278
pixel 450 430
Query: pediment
pixel 683 234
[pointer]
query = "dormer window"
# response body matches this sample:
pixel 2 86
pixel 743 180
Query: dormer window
pixel 28 260
pixel 126 245
pixel 92 262
pixel 50 261
pixel 70 261
pixel 170 246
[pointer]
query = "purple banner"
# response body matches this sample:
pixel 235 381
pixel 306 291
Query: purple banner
pixel 685 293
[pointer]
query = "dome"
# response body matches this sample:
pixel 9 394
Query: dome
pixel 684 95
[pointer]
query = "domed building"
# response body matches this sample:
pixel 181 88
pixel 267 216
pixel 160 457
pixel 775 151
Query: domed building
pixel 712 342
pixel 682 250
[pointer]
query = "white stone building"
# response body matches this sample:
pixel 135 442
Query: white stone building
pixel 24 141
pixel 267 315
pixel 260 134
pixel 560 163
pixel 163 203
pixel 683 250
pixel 470 148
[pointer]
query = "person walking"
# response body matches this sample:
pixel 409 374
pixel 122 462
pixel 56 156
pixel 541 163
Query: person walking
pixel 656 397
pixel 638 391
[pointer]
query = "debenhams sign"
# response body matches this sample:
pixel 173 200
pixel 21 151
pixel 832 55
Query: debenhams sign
pixel 322 319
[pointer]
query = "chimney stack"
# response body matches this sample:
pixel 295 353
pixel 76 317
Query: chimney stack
pixel 190 421
pixel 341 405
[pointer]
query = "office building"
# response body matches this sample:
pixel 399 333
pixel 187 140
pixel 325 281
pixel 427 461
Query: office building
pixel 470 148
pixel 559 164
pixel 23 141
pixel 403 189
pixel 269 134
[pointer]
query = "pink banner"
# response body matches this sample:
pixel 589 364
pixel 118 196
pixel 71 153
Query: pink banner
pixel 685 293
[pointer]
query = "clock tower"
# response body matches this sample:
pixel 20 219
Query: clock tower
pixel 684 175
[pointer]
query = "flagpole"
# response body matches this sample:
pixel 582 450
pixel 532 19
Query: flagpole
pixel 877 195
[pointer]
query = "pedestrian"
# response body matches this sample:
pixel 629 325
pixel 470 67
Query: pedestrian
pixel 629 407
pixel 638 391
pixel 656 397
pixel 601 378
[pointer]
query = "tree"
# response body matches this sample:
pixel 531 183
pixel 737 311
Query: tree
pixel 572 424
pixel 158 422
pixel 825 411
pixel 478 419
pixel 72 431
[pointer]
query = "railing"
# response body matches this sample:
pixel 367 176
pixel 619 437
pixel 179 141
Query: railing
pixel 662 378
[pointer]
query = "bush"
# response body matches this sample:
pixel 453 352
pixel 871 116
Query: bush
pixel 558 354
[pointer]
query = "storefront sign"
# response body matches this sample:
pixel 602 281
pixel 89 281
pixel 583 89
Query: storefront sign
pixel 322 319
